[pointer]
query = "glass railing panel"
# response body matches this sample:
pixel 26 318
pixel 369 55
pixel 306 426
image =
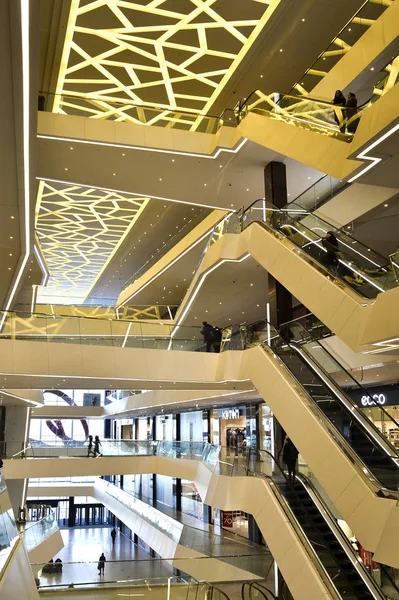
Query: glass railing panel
pixel 296 333
pixel 35 533
pixel 372 455
pixel 346 38
pixel 97 107
pixel 8 529
pixel 318 194
pixel 319 116
pixel 357 266
pixel 394 260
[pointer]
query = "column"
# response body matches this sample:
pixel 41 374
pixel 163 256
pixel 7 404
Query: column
pixel 276 194
pixel 178 481
pixel 71 512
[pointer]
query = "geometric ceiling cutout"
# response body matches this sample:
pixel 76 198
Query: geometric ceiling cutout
pixel 79 230
pixel 173 54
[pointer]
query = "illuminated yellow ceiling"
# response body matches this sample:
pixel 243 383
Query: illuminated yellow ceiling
pixel 80 230
pixel 174 54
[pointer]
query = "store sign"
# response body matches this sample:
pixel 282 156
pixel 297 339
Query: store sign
pixel 230 413
pixel 227 518
pixel 384 396
pixel 373 400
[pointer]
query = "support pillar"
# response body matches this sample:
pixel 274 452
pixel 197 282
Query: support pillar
pixel 71 512
pixel 178 481
pixel 276 194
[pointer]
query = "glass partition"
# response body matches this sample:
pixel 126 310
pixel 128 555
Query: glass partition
pixel 359 24
pixel 93 106
pixel 320 116
pixel 8 529
pixel 35 533
pixel 346 259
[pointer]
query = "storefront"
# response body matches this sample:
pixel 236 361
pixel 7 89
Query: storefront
pixel 382 397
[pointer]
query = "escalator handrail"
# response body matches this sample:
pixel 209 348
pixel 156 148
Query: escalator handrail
pixel 331 522
pixel 339 534
pixel 304 98
pixel 215 587
pixel 361 467
pixel 348 374
pixel 320 267
pixel 346 400
pixel 304 212
pixel 306 543
pixel 263 590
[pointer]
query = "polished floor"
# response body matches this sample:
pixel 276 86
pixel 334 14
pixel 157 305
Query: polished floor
pixel 83 547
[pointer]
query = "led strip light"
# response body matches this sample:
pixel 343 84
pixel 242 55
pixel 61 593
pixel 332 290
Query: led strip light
pixel 25 43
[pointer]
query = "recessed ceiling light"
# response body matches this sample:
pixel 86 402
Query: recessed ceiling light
pixel 303 20
pixel 372 69
pixel 66 168
pixel 385 205
pixel 173 160
pixel 261 76
pixel 204 184
pixel 160 179
pixel 123 154
pixel 13 217
pixel 281 49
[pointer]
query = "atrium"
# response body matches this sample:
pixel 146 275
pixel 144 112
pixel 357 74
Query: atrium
pixel 199 280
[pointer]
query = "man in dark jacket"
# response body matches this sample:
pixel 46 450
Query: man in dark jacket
pixel 290 456
pixel 208 331
pixel 330 258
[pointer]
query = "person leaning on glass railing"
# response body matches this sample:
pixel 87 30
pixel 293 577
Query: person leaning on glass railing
pixel 352 118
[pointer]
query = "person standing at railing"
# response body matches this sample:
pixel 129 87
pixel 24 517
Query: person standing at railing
pixel 208 332
pixel 339 100
pixel 352 119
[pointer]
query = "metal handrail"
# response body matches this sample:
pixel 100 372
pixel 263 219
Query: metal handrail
pixel 296 525
pixel 130 103
pixel 264 591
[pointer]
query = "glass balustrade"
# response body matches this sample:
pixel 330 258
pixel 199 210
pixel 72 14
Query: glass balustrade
pixel 8 530
pixel 353 30
pixel 126 111
pixel 99 332
pixel 361 268
pixel 35 533
pixel 357 436
pixel 309 514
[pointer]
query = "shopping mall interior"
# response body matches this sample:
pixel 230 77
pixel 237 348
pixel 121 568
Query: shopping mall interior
pixel 199 336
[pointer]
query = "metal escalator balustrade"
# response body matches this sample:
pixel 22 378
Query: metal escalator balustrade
pixel 360 440
pixel 330 551
pixel 351 263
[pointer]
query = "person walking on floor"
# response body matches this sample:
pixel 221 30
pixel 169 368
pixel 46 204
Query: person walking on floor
pixel 90 447
pixel 113 536
pixel 97 445
pixel 208 332
pixel 339 100
pixel 101 564
pixel 290 456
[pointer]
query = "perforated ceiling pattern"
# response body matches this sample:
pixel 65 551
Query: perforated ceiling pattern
pixel 176 54
pixel 79 230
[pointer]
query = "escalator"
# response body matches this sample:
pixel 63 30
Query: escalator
pixel 355 266
pixel 351 429
pixel 336 559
